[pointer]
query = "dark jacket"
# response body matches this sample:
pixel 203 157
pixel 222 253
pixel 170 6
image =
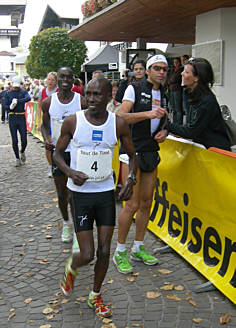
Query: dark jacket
pixel 175 79
pixel 141 132
pixel 123 86
pixel 2 96
pixel 206 125
pixel 21 95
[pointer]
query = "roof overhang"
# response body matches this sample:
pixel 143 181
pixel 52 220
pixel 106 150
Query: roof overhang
pixel 158 21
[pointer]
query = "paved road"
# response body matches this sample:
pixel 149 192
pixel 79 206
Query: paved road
pixel 32 259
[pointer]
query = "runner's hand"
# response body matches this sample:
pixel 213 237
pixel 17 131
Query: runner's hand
pixel 126 191
pixel 48 144
pixel 78 177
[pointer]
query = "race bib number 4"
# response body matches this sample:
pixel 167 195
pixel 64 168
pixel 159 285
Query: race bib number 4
pixel 97 164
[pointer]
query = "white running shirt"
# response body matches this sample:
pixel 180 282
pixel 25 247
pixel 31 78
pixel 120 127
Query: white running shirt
pixel 91 151
pixel 59 111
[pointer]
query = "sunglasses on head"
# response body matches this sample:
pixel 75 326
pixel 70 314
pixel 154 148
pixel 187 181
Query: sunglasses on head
pixel 192 62
pixel 159 68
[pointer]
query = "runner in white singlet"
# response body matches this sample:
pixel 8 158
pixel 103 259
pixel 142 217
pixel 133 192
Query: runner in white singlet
pixel 55 108
pixel 92 135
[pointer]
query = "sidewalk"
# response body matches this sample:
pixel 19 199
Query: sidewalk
pixel 32 259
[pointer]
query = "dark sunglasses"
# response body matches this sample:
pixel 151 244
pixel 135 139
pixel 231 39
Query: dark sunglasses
pixel 159 68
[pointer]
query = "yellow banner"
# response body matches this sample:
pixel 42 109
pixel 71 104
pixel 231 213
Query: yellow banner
pixel 194 210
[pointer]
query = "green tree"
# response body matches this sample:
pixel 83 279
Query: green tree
pixel 53 48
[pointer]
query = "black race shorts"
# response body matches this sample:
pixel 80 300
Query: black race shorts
pixel 98 206
pixel 56 172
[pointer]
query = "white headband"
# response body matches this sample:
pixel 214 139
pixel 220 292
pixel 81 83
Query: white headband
pixel 156 59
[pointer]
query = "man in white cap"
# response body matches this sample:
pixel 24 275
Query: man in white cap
pixel 143 107
pixel 15 100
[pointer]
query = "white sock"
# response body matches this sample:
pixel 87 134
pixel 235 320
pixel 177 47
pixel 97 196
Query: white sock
pixel 71 270
pixel 92 294
pixel 136 245
pixel 66 223
pixel 120 247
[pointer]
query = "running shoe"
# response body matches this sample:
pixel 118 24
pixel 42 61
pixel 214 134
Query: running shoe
pixel 75 246
pixel 143 256
pixel 97 303
pixel 67 284
pixel 66 235
pixel 121 262
pixel 50 171
pixel 18 162
pixel 23 158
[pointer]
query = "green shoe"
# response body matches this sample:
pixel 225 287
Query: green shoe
pixel 121 262
pixel 66 235
pixel 142 255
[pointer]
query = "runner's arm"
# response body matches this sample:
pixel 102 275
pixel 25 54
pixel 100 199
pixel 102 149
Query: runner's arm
pixel 45 126
pixel 123 132
pixel 67 131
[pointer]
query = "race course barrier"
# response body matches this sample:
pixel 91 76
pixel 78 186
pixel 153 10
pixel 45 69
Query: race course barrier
pixel 33 119
pixel 194 210
pixel 194 205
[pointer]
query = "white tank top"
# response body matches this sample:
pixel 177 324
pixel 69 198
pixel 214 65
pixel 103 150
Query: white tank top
pixel 91 152
pixel 59 111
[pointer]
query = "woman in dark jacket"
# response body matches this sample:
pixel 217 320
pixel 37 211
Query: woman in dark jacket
pixel 206 125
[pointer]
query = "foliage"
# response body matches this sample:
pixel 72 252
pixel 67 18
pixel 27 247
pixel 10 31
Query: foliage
pixel 52 49
pixel 90 7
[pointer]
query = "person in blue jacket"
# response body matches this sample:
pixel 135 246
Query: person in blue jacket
pixel 14 101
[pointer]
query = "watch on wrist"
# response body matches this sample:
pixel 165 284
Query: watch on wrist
pixel 133 178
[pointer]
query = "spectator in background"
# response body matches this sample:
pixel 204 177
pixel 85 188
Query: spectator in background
pixel 37 91
pixel 4 109
pixel 137 75
pixel 113 105
pixel 26 86
pixel 51 87
pixel 14 101
pixel 184 60
pixel 206 125
pixel 97 74
pixel 175 91
pixel 77 87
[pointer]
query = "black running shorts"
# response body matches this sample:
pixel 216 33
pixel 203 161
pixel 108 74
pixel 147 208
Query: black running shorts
pixel 98 206
pixel 56 172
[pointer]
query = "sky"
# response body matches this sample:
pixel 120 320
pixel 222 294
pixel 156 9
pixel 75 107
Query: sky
pixel 34 14
pixel 33 17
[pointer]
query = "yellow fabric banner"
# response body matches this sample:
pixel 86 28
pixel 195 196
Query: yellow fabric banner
pixel 194 210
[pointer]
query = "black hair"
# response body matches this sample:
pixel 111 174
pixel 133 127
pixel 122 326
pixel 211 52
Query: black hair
pixel 202 69
pixel 177 58
pixel 76 82
pixel 139 61
pixel 185 56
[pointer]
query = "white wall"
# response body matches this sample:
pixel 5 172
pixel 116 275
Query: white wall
pixel 5 64
pixel 215 25
pixel 5 43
